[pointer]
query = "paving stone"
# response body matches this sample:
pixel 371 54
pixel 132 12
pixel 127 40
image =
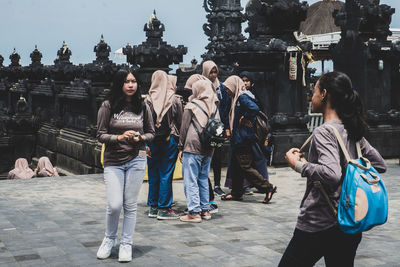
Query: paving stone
pixel 60 222
pixel 26 257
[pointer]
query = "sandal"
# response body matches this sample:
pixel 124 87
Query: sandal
pixel 269 195
pixel 231 197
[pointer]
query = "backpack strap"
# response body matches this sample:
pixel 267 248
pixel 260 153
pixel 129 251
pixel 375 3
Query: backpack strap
pixel 212 115
pixel 341 143
pixel 346 153
pixel 359 154
pixel 306 143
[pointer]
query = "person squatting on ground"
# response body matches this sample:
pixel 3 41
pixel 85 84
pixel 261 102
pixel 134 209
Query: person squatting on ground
pixel 21 170
pixel 45 168
pixel 124 124
pixel 317 233
pixel 196 157
pixel 246 152
pixel 167 116
pixel 210 70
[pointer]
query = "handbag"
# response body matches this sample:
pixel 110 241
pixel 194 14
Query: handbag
pixel 363 201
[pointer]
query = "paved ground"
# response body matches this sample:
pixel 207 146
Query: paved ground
pixel 60 222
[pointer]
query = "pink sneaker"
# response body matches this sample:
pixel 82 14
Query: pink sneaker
pixel 191 218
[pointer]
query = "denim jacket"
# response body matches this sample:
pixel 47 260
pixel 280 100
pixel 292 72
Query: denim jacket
pixel 245 106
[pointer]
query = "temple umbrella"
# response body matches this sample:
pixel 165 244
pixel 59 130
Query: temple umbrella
pixel 119 54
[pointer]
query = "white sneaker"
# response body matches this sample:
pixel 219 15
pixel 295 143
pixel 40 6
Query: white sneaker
pixel 105 248
pixel 125 253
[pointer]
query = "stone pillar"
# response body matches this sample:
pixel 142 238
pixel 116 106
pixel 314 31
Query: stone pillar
pixel 365 54
pixel 278 62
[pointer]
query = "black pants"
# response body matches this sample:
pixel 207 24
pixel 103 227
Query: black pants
pixel 305 249
pixel 216 163
pixel 210 190
pixel 241 166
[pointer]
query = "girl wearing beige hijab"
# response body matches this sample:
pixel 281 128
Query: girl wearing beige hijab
pixel 45 168
pixel 210 70
pixel 21 170
pixel 167 114
pixel 247 158
pixel 196 158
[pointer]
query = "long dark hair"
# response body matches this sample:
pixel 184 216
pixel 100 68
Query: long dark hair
pixel 346 101
pixel 117 97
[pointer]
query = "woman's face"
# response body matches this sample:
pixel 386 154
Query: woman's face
pixel 130 86
pixel 229 92
pixel 247 82
pixel 317 99
pixel 213 74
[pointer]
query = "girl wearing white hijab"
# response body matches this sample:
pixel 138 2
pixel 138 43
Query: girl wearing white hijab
pixel 21 170
pixel 196 158
pixel 167 114
pixel 247 157
pixel 45 168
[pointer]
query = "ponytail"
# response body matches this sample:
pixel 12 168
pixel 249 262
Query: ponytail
pixel 347 103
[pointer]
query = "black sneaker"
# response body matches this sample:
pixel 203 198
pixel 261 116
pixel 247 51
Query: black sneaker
pixel 219 191
pixel 213 208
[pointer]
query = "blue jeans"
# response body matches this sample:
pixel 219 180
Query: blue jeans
pixel 160 172
pixel 123 184
pixel 195 178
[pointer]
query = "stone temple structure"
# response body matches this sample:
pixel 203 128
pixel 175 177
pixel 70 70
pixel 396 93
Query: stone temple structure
pixel 52 110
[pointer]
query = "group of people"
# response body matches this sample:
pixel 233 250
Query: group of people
pixel 23 171
pixel 158 128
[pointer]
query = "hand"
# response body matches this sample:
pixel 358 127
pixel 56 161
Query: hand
pixel 137 138
pixel 245 122
pixel 292 156
pixel 180 156
pixel 227 133
pixel 127 135
pixel 148 152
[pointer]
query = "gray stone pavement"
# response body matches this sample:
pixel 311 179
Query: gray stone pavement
pixel 60 222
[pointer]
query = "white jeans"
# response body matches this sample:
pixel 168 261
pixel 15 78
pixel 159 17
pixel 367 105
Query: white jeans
pixel 123 184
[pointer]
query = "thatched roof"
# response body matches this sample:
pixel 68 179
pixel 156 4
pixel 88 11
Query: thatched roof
pixel 319 18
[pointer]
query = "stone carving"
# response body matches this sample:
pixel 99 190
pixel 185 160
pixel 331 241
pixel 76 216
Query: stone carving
pixel 154 53
pixel 15 57
pixel 224 32
pixel 63 54
pixel 102 69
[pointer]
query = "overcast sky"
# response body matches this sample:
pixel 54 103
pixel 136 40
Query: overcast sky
pixel 47 23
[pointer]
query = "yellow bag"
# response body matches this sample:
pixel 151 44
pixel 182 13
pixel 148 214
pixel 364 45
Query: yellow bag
pixel 103 147
pixel 177 171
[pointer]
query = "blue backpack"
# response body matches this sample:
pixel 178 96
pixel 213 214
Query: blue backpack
pixel 363 201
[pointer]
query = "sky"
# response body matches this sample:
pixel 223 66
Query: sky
pixel 80 23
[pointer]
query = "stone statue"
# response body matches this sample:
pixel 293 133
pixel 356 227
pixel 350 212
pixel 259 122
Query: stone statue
pixel 63 54
pixel 102 50
pixel 36 56
pixel 15 57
